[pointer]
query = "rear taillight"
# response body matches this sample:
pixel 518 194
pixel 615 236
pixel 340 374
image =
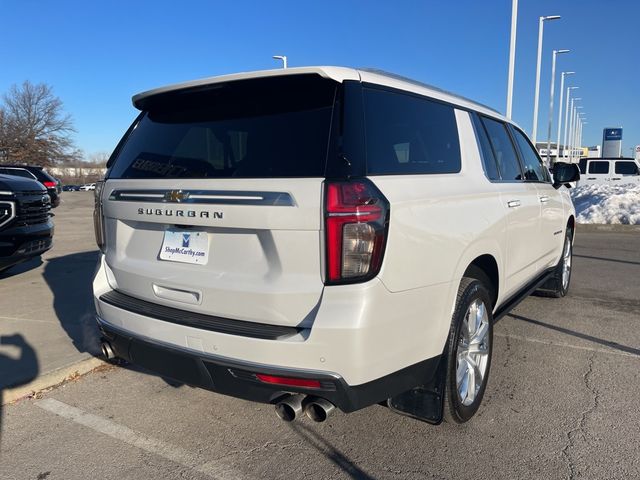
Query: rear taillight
pixel 356 221
pixel 98 216
pixel 49 184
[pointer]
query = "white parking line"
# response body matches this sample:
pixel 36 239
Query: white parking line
pixel 170 452
pixel 608 351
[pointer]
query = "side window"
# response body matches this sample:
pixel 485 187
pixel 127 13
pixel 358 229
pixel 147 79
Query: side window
pixel 583 165
pixel 533 167
pixel 599 167
pixel 406 134
pixel 506 158
pixel 488 158
pixel 626 168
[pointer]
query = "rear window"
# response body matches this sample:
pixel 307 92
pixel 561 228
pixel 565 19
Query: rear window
pixel 273 127
pixel 599 167
pixel 42 176
pixel 16 172
pixel 626 168
pixel 406 134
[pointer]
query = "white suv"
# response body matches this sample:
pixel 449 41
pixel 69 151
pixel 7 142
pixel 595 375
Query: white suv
pixel 609 171
pixel 324 237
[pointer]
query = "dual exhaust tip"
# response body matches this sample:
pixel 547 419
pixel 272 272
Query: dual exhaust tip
pixel 316 408
pixel 107 350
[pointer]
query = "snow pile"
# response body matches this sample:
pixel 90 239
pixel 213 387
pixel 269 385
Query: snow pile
pixel 607 203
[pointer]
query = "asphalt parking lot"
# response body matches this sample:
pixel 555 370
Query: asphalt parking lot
pixel 562 399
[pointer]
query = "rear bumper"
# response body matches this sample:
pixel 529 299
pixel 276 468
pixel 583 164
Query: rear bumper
pixel 238 379
pixel 364 337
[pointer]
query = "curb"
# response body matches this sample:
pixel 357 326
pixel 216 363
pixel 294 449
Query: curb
pixel 618 228
pixel 51 379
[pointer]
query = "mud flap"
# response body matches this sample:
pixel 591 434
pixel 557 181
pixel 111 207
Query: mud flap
pixel 425 402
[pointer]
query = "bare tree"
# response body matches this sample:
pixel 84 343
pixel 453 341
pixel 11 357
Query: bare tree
pixel 99 158
pixel 34 127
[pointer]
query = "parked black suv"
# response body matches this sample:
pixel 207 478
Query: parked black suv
pixel 26 229
pixel 29 171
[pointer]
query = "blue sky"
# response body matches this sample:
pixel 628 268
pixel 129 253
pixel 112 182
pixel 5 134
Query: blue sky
pixel 96 55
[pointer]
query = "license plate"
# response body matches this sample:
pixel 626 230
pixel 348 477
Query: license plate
pixel 185 246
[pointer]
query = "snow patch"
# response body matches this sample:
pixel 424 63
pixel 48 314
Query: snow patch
pixel 610 204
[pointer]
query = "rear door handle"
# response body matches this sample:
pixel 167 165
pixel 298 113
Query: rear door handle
pixel 591 178
pixel 544 199
pixel 513 203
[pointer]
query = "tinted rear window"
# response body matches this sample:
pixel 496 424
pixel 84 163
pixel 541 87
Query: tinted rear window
pixel 16 172
pixel 626 168
pixel 488 158
pixel 273 127
pixel 406 134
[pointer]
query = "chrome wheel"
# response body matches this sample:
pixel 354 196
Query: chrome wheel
pixel 473 352
pixel 566 263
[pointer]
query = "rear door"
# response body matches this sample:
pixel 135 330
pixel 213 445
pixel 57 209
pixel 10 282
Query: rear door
pixel 522 208
pixel 625 171
pixel 214 202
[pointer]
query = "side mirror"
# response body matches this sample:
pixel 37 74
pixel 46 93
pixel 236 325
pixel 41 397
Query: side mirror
pixel 564 173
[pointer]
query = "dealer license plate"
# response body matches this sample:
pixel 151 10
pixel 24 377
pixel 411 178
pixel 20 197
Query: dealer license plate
pixel 185 246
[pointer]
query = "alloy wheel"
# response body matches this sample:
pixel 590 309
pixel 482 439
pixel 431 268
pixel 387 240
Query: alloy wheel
pixel 473 352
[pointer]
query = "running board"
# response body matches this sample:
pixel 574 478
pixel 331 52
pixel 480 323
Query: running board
pixel 523 293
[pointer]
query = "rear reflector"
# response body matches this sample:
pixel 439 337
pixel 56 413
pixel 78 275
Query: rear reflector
pixel 291 382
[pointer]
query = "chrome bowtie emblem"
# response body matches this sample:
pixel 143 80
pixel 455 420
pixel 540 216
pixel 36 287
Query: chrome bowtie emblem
pixel 175 196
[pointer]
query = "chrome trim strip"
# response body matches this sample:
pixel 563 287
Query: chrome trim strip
pixel 209 197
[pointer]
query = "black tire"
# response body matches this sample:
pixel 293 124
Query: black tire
pixel 556 287
pixel 456 408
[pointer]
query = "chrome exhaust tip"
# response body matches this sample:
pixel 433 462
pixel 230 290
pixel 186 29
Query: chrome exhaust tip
pixel 318 409
pixel 107 350
pixel 289 408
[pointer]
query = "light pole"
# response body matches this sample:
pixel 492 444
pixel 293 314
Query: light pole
pixel 572 123
pixel 579 135
pixel 582 124
pixel 560 112
pixel 574 129
pixel 566 120
pixel 512 55
pixel 553 83
pixel 534 130
pixel 283 58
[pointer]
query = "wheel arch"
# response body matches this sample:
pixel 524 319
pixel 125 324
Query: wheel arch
pixel 488 266
pixel 484 254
